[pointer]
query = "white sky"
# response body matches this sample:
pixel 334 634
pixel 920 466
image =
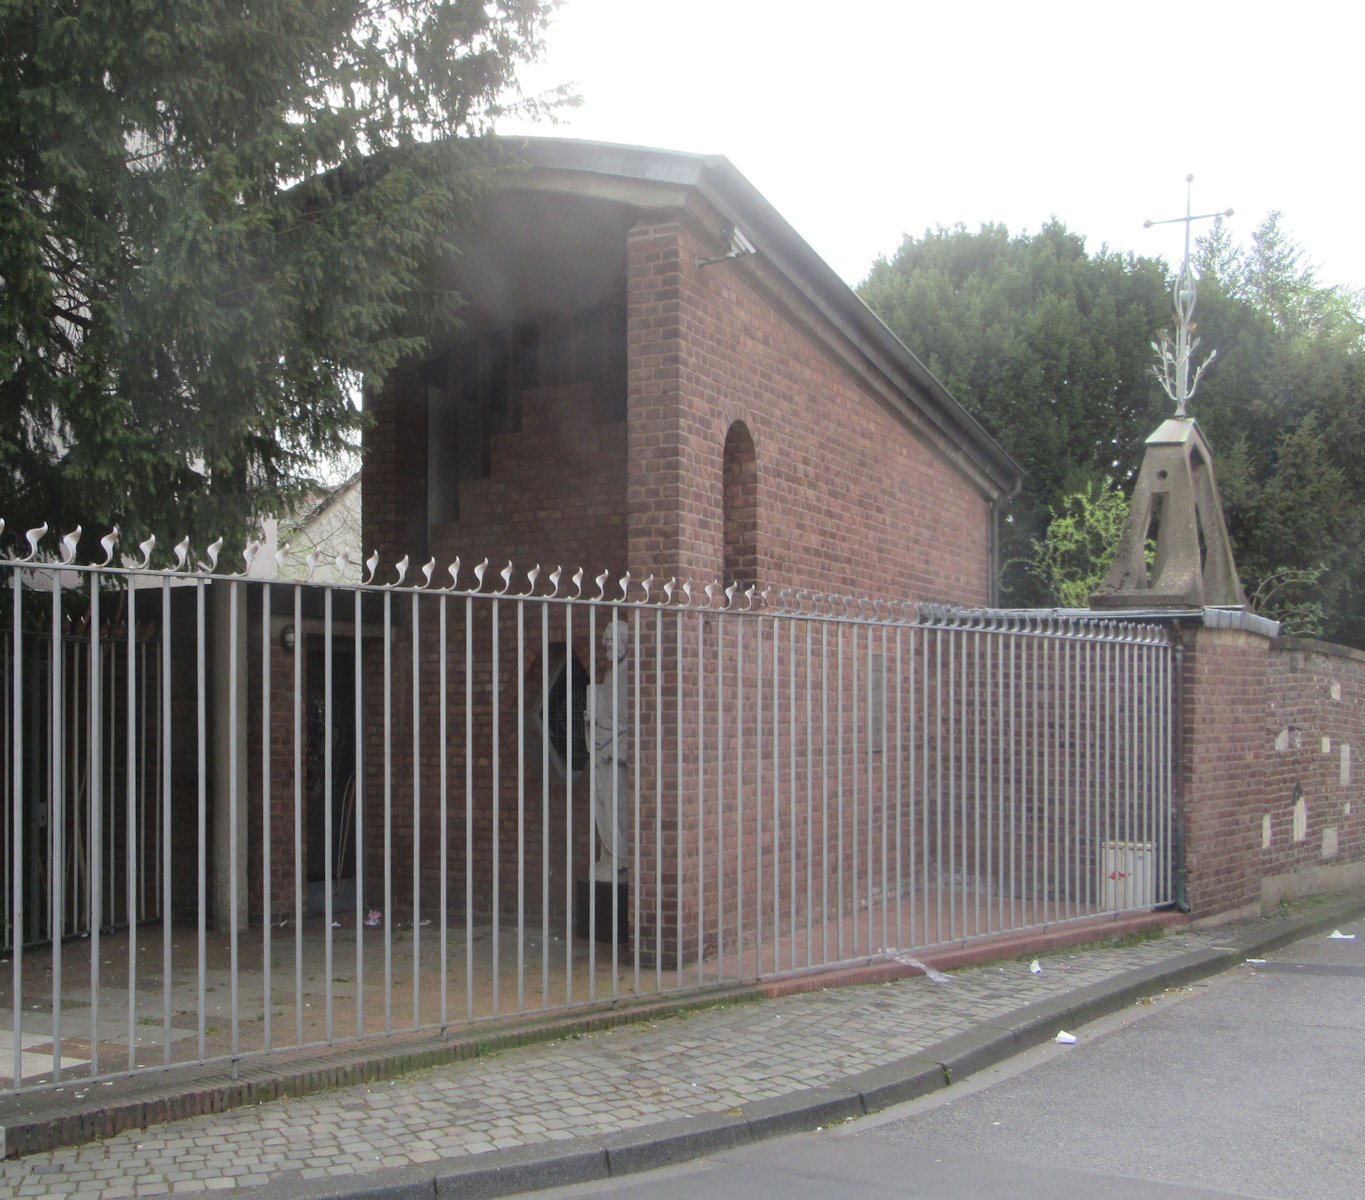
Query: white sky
pixel 885 117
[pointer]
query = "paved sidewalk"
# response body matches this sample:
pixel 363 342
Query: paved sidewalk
pixel 643 1095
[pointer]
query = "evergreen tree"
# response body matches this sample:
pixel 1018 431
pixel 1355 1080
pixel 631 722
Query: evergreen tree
pixel 216 217
pixel 1051 349
pixel 1047 346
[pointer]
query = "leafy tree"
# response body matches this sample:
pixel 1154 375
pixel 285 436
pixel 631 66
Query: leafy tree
pixel 1283 410
pixel 215 218
pixel 1072 558
pixel 1050 348
pixel 1046 345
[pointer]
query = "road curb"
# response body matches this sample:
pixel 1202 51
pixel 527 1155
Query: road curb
pixel 535 1166
pixel 647 1147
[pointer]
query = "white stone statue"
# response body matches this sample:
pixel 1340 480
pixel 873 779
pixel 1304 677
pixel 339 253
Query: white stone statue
pixel 608 719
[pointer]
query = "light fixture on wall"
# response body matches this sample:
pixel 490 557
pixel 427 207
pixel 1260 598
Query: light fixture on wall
pixel 736 246
pixel 287 639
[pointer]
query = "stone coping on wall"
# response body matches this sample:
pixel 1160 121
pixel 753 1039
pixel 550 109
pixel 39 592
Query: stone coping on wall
pixel 1304 645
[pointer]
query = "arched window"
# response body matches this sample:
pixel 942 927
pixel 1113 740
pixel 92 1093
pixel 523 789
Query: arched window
pixel 740 507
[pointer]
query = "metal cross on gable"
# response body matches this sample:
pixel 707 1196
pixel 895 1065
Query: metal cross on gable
pixel 1173 361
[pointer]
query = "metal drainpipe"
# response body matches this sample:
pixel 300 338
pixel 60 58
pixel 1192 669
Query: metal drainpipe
pixel 1182 904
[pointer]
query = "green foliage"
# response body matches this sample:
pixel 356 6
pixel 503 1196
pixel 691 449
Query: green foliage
pixel 1284 411
pixel 1046 345
pixel 1292 598
pixel 215 218
pixel 1050 348
pixel 1072 558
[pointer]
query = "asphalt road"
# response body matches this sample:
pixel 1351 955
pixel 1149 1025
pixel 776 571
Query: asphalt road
pixel 1251 1085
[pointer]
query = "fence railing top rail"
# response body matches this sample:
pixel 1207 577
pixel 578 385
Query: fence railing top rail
pixel 625 589
pixel 1046 622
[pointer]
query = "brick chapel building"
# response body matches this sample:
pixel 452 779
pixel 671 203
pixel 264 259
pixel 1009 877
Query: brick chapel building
pixel 634 388
pixel 656 375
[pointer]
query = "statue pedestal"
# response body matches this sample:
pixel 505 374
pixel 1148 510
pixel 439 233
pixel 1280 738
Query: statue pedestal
pixel 601 916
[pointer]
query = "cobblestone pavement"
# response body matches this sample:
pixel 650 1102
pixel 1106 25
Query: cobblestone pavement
pixel 707 1062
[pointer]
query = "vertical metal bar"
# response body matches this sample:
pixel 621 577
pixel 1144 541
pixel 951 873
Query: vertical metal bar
pixel 720 627
pixel 1134 801
pixel 1166 716
pixel 942 752
pixel 869 789
pixel 416 693
pixel 570 667
pixel 793 851
pixel 300 881
pixel 659 800
pixel 388 812
pixel 594 701
pixel 1047 728
pixel 521 808
pixel 884 741
pixel 976 704
pixel 358 807
pixel 995 842
pixel 614 775
pixel 807 746
pixel 701 800
pixel 839 783
pixel 545 800
pixel 760 723
pixel 201 716
pixel 926 639
pixel 267 913
pixel 443 672
pixel 95 840
pixel 166 818
pixel 328 784
pixel 469 807
pixel 1064 761
pixel 739 796
pixel 637 741
pixel 856 798
pixel 1016 734
pixel 900 781
pixel 956 780
pixel 824 792
pixel 777 785
pixel 129 823
pixel 495 759
pixel 55 824
pixel 679 727
pixel 17 828
pixel 1111 684
pixel 234 800
pixel 1086 766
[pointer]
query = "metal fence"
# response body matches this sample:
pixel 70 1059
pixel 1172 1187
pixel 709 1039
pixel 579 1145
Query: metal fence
pixel 243 816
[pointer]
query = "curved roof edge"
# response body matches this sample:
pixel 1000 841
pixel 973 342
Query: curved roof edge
pixel 716 179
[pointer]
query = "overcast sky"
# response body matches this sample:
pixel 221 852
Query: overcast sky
pixel 864 121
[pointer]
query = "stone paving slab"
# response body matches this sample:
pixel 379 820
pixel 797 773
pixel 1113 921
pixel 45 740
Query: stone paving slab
pixel 638 1096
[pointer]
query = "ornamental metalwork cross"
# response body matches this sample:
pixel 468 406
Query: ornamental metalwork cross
pixel 1173 361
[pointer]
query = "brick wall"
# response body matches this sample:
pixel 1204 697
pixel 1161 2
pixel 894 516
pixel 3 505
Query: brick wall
pixel 848 500
pixel 1220 768
pixel 1311 829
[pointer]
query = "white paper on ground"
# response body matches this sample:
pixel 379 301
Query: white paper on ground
pixel 910 960
pixel 1066 1039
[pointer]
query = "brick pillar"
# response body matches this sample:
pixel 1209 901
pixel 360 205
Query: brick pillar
pixel 658 493
pixel 394 475
pixel 1221 768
